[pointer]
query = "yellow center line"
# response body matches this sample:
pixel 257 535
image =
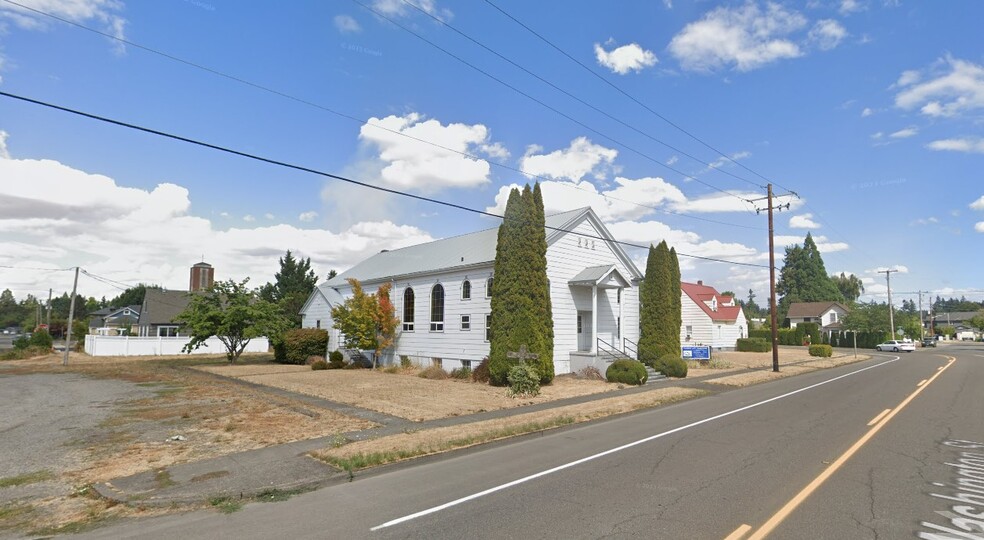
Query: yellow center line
pixel 784 512
pixel 879 417
pixel 739 532
pixel 922 382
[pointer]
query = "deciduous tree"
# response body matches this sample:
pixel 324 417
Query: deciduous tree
pixel 234 314
pixel 367 321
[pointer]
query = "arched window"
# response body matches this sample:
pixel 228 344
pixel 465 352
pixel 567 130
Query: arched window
pixel 466 290
pixel 488 288
pixel 437 308
pixel 408 310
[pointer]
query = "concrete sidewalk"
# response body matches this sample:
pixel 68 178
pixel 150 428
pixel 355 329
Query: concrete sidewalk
pixel 288 467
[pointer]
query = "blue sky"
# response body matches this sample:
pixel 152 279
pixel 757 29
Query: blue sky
pixel 871 111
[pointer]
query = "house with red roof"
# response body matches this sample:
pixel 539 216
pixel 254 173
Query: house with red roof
pixel 710 318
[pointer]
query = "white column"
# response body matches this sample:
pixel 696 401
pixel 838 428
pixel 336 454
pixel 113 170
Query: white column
pixel 620 322
pixel 594 319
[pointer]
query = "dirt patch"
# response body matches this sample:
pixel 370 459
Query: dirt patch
pixel 178 415
pixel 419 443
pixel 405 395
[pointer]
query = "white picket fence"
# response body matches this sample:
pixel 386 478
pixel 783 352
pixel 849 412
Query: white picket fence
pixel 160 346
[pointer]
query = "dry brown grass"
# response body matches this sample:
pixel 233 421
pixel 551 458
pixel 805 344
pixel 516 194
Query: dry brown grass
pixel 403 394
pixel 792 361
pixel 430 441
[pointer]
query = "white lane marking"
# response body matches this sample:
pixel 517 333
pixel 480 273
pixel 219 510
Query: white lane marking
pixel 626 446
pixel 922 382
pixel 879 417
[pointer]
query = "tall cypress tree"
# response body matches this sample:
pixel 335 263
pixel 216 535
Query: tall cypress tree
pixel 521 312
pixel 675 314
pixel 804 278
pixel 648 310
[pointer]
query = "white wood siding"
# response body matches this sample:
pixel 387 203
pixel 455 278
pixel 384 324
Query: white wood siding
pixel 717 334
pixel 320 310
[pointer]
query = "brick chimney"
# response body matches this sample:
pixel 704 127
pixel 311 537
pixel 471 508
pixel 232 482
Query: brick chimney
pixel 202 277
pixel 700 282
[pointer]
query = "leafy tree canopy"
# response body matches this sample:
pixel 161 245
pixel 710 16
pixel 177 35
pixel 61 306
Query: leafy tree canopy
pixel 803 278
pixel 850 286
pixel 367 321
pixel 233 313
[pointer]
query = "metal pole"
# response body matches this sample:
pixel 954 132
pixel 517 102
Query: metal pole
pixel 49 311
pixel 891 308
pixel 772 288
pixel 71 313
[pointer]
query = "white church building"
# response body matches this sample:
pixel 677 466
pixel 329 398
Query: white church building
pixel 440 291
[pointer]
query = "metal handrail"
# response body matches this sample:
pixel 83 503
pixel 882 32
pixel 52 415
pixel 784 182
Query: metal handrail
pixel 629 346
pixel 608 350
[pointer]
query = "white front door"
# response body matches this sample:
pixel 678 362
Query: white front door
pixel 584 330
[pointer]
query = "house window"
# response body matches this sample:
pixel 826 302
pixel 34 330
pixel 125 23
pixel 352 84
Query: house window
pixel 833 317
pixel 466 322
pixel 317 323
pixel 466 364
pixel 436 362
pixel 167 331
pixel 620 296
pixel 488 327
pixel 437 308
pixel 689 332
pixel 408 310
pixel 488 288
pixel 466 290
pixel 578 324
pixel 619 322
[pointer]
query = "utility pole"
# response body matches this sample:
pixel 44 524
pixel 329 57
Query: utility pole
pixel 49 311
pixel 891 308
pixel 774 307
pixel 922 328
pixel 71 314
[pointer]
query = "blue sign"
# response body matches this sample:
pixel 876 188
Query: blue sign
pixel 699 352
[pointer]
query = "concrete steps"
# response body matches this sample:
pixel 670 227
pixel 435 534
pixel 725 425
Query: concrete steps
pixel 654 376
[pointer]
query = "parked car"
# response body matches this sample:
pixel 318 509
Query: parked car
pixel 929 342
pixel 895 346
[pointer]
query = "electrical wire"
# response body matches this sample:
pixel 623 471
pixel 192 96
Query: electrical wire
pixel 631 97
pixel 710 166
pixel 301 168
pixel 544 104
pixel 361 121
pixel 37 269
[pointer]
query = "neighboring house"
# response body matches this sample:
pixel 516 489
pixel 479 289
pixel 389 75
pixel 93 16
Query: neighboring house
pixel 158 311
pixel 441 293
pixel 959 320
pixel 710 318
pixel 827 314
pixel 113 321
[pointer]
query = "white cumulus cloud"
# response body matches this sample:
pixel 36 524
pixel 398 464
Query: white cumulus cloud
pixel 409 163
pixel 624 59
pixel 93 221
pixel 827 34
pixel 346 24
pixel 307 217
pixel 105 12
pixel 905 133
pixel 399 8
pixel 969 145
pixel 867 112
pixel 746 37
pixel 4 153
pixel 978 204
pixel 824 245
pixel 979 227
pixel 804 221
pixel 581 158
pixel 953 87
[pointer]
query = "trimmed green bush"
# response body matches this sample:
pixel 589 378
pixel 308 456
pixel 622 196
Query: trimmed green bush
pixel 319 364
pixel 764 333
pixel 461 373
pixel 809 330
pixel 298 344
pixel 524 380
pixel 627 372
pixel 336 360
pixel 823 351
pixel 481 373
pixel 41 339
pixel 753 345
pixel 672 366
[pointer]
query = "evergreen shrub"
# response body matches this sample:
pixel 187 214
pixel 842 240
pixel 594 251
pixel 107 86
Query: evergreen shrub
pixel 753 345
pixel 627 372
pixel 336 360
pixel 461 373
pixel 41 339
pixel 524 380
pixel 672 366
pixel 319 364
pixel 765 334
pixel 823 351
pixel 300 343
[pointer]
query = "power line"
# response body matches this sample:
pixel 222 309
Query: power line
pixel 357 120
pixel 301 168
pixel 542 103
pixel 37 269
pixel 631 97
pixel 574 97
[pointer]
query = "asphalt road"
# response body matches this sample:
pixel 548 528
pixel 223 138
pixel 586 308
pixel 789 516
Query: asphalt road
pixel 859 451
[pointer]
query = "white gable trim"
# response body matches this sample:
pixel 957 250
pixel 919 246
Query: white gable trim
pixel 588 214
pixel 311 297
